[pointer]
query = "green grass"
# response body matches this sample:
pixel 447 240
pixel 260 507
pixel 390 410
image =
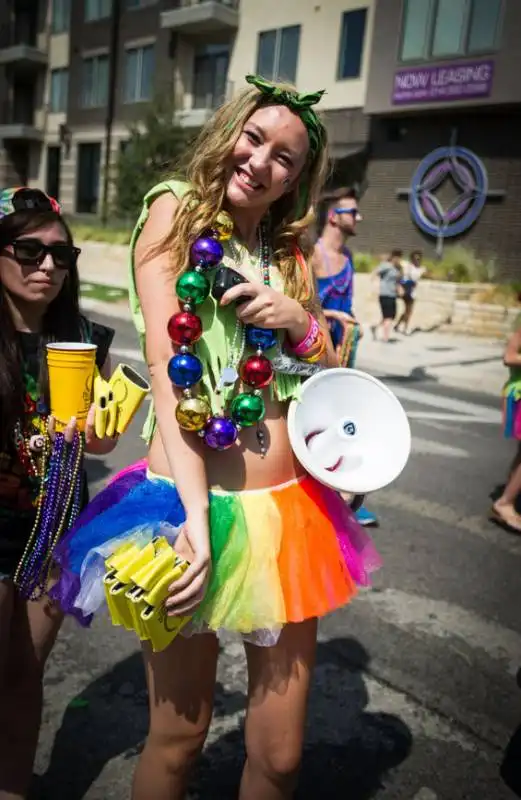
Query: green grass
pixel 107 294
pixel 83 232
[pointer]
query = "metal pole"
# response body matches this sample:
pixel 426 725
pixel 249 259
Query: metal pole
pixel 111 104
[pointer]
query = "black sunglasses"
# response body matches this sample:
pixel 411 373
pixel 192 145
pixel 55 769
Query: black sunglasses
pixel 32 253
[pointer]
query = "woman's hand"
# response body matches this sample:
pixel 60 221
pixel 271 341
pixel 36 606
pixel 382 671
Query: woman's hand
pixel 193 544
pixel 93 445
pixel 68 432
pixel 267 308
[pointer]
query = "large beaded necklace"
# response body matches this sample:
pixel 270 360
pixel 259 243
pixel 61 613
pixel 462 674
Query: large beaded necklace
pixel 56 470
pixel 247 408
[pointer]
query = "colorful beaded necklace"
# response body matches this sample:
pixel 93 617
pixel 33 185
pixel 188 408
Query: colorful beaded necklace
pixel 193 413
pixel 57 472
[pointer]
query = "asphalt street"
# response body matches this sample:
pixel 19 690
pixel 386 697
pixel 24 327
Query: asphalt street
pixel 415 696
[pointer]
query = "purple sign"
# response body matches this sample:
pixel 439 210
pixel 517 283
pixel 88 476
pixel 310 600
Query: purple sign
pixel 446 83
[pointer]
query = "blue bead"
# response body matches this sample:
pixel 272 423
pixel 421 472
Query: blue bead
pixel 184 369
pixel 260 338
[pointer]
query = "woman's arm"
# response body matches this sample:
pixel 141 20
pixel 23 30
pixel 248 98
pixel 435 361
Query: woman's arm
pixel 512 355
pixel 156 291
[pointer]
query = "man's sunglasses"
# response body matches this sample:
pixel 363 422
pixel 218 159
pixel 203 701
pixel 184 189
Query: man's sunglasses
pixel 32 253
pixel 352 211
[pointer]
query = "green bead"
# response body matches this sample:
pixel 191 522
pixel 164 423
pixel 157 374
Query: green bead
pixel 192 287
pixel 247 409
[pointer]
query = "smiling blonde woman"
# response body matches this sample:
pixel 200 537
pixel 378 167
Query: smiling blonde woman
pixel 270 549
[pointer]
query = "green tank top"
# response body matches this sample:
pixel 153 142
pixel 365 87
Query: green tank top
pixel 219 324
pixel 513 384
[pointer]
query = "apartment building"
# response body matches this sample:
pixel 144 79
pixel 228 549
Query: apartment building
pixel 315 45
pixel 73 66
pixel 24 60
pixel 71 71
pixel 444 100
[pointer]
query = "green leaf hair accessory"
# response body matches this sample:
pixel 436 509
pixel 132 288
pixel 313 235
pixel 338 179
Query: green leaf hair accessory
pixel 301 104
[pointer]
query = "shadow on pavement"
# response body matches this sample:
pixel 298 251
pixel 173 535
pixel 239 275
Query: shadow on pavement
pixel 348 751
pixel 511 765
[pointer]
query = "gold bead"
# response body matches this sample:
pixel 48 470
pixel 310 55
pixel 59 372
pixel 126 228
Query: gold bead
pixel 192 413
pixel 224 226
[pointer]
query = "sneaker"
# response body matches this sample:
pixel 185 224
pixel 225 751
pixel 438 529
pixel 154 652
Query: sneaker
pixel 365 517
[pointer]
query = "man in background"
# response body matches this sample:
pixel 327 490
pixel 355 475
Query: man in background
pixel 334 270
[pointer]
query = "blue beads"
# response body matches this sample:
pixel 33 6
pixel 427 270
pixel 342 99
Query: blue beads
pixel 184 369
pixel 260 338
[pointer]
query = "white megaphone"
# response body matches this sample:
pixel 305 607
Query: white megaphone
pixel 349 431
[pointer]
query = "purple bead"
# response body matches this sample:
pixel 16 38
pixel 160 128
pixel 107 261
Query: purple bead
pixel 206 251
pixel 220 433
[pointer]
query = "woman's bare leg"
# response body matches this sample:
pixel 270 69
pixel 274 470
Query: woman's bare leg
pixel 6 614
pixel 279 681
pixel 34 628
pixel 504 508
pixel 181 683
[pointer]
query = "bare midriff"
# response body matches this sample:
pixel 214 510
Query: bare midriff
pixel 241 467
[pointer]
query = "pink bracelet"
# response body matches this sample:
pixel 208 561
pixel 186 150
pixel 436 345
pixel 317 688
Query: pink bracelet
pixel 309 339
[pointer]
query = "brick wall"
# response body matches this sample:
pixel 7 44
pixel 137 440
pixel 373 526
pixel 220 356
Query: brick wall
pixel 399 143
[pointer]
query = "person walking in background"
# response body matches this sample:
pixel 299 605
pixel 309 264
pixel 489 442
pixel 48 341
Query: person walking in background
pixel 504 507
pixel 390 274
pixel 334 270
pixel 412 273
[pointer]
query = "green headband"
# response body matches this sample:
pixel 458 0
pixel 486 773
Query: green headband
pixel 301 104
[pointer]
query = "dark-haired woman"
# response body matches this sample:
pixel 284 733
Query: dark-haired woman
pixel 39 302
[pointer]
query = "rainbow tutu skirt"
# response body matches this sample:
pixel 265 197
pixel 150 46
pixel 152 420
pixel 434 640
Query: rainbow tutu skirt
pixel 279 555
pixel 512 413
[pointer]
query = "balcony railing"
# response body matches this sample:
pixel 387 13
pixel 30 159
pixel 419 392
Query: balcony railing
pixel 201 16
pixel 234 4
pixel 23 31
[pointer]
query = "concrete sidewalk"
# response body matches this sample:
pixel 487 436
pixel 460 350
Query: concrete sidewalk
pixel 463 362
pixel 460 361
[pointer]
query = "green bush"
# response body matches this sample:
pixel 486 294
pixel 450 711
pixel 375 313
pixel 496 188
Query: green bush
pixel 461 265
pixel 365 262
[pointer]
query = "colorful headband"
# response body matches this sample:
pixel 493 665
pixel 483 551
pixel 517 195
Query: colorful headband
pixel 22 198
pixel 301 104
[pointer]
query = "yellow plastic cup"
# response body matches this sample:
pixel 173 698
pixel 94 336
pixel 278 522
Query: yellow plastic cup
pixel 71 373
pixel 129 390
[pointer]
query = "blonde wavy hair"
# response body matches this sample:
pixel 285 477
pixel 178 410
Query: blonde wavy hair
pixel 205 171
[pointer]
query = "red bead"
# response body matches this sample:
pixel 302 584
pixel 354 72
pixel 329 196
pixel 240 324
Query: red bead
pixel 184 328
pixel 257 371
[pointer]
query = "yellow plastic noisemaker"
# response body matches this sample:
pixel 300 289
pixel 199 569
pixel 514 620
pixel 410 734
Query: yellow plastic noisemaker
pixel 136 585
pixel 118 400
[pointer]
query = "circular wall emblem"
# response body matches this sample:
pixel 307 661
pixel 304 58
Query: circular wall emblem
pixel 469 175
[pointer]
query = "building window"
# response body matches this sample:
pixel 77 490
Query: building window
pixel 352 44
pixel 61 15
pixel 277 54
pixel 444 28
pixel 97 9
pixel 59 90
pixel 210 75
pixel 95 82
pixel 139 74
